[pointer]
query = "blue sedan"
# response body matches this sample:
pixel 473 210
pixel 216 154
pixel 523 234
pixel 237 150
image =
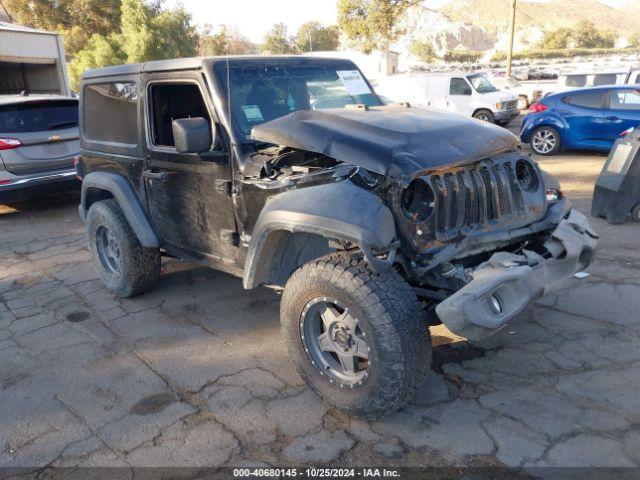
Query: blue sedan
pixel 589 118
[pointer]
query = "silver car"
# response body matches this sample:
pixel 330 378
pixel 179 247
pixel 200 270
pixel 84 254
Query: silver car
pixel 38 144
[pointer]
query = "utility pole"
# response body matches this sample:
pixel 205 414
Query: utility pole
pixel 512 30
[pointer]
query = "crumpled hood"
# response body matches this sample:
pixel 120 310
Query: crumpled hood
pixel 412 139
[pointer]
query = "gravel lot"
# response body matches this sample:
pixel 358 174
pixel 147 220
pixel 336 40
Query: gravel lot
pixel 195 374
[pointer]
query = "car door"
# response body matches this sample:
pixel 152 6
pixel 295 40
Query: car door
pixel 583 111
pixel 38 136
pixel 460 98
pixel 623 112
pixel 188 195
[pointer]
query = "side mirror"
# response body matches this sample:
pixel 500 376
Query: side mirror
pixel 192 135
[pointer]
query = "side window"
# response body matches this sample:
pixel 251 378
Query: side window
pixel 585 100
pixel 169 102
pixel 605 79
pixel 111 112
pixel 624 100
pixel 575 80
pixel 459 86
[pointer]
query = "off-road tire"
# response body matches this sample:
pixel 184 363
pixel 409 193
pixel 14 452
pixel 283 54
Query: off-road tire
pixel 388 312
pixel 139 268
pixel 484 115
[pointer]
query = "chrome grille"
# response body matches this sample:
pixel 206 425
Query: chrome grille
pixel 476 195
pixel 511 104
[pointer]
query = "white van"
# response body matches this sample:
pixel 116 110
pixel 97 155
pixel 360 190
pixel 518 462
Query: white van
pixel 470 94
pixel 634 77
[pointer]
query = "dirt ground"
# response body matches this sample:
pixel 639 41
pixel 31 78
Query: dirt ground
pixel 195 374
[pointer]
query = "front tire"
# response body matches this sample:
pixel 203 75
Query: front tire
pixel 545 141
pixel 124 266
pixel 523 102
pixel 635 213
pixel 357 338
pixel 484 115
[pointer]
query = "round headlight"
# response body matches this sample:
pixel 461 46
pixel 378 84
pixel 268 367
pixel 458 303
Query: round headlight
pixel 417 201
pixel 526 175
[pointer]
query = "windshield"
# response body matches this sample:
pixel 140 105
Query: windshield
pixel 264 91
pixel 481 83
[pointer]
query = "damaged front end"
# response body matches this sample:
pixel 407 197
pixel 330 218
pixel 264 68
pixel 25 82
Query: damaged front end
pixel 480 231
pixel 503 286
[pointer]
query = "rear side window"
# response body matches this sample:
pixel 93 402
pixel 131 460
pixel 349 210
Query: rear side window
pixel 459 86
pixel 111 112
pixel 624 100
pixel 575 80
pixel 38 116
pixel 605 79
pixel 586 100
pixel 170 102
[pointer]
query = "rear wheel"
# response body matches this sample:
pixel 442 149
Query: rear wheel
pixel 356 337
pixel 124 266
pixel 545 141
pixel 484 115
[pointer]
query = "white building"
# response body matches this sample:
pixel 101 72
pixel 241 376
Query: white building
pixel 31 60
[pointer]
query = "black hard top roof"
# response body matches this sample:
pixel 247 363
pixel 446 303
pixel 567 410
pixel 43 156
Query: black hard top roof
pixel 198 62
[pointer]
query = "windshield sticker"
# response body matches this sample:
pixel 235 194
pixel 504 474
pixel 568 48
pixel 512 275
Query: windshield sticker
pixel 353 82
pixel 253 113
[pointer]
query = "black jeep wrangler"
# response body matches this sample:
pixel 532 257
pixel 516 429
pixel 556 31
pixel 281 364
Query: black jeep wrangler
pixel 375 220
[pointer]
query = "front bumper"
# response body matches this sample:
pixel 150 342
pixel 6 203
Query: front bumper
pixel 17 188
pixel 507 283
pixel 502 115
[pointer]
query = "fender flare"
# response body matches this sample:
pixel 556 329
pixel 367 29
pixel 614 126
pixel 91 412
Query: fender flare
pixel 336 211
pixel 127 200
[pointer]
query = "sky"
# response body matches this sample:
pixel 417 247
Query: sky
pixel 255 17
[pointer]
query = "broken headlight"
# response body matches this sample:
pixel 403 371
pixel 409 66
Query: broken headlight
pixel 526 175
pixel 417 201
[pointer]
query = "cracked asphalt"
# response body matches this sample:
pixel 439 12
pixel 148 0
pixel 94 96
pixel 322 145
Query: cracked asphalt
pixel 195 374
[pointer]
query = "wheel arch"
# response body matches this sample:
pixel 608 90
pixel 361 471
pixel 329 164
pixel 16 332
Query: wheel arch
pixel 98 186
pixel 483 109
pixel 298 226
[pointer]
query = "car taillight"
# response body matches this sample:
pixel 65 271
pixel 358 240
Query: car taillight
pixel 627 132
pixel 538 107
pixel 9 143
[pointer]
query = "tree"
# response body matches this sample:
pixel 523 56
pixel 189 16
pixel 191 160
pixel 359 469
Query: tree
pixel 634 40
pixel 556 39
pixel 373 24
pixel 313 36
pixel 424 51
pixel 145 32
pixel 99 51
pixel 227 41
pixel 275 41
pixel 586 35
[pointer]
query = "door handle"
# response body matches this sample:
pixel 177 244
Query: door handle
pixel 613 118
pixel 154 175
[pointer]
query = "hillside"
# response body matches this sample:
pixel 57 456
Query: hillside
pixel 493 15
